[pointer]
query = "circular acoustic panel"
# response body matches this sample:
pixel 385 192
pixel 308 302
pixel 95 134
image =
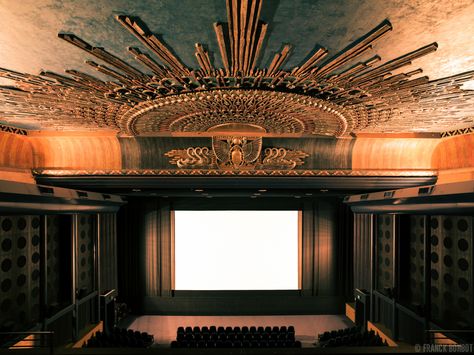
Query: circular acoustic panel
pixel 199 113
pixel 448 279
pixel 448 260
pixel 463 284
pixel 6 244
pixel 21 242
pixel 6 265
pixel 462 225
pixel 21 280
pixel 35 222
pixel 21 224
pixel 448 242
pixel 463 244
pixel 35 241
pixel 463 264
pixel 447 224
pixel 6 224
pixel 6 285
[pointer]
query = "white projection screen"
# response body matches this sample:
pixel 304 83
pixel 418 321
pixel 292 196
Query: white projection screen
pixel 236 250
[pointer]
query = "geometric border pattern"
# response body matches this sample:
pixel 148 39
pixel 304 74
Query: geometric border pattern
pixel 14 130
pixel 214 172
pixel 457 132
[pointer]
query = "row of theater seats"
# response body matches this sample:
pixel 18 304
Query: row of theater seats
pixel 120 337
pixel 353 336
pixel 236 337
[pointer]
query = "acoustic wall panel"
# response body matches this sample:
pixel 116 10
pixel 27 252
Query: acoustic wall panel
pixel 451 271
pixel 362 245
pixel 416 236
pixel 384 253
pixel 108 252
pixel 86 234
pixel 58 261
pixel 19 272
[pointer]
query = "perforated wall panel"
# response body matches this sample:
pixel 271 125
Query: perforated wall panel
pixel 19 272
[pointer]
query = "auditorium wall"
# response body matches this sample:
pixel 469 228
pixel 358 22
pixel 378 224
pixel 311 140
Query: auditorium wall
pixel 49 271
pixel 418 270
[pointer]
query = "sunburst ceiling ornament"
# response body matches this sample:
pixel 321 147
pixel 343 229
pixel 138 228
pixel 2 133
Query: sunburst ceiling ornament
pixel 325 96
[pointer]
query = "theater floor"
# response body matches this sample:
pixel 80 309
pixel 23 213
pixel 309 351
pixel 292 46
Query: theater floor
pixel 307 326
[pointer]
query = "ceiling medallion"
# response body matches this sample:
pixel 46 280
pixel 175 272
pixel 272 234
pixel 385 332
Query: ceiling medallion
pixel 236 153
pixel 326 95
pixel 282 114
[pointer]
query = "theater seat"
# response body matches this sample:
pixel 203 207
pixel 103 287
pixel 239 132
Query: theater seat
pixel 234 337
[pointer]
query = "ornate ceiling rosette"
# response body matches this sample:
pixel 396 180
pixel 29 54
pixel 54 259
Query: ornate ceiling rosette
pixel 350 92
pixel 211 112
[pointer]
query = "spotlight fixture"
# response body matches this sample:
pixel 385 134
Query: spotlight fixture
pixel 198 190
pixel 262 190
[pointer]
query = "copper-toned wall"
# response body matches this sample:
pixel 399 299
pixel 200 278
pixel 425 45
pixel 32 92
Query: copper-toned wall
pixel 454 153
pixel 76 152
pixel 93 151
pixel 393 153
pixel 16 151
pixel 454 158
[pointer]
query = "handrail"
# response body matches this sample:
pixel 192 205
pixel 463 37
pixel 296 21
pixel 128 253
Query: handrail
pixel 109 294
pixel 86 298
pixel 32 342
pixel 60 313
pixel 383 296
pixel 408 311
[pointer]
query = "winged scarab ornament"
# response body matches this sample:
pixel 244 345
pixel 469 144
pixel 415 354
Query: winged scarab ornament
pixel 236 152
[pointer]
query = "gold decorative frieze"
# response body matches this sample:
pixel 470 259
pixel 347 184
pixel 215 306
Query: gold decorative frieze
pixel 277 158
pixel 335 95
pixel 457 132
pixel 219 172
pixel 236 153
pixel 192 158
pixel 14 130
